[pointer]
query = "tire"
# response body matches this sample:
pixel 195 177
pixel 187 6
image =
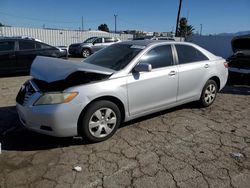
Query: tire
pixel 86 52
pixel 100 121
pixel 209 93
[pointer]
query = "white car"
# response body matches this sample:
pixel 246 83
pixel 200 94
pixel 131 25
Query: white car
pixel 122 82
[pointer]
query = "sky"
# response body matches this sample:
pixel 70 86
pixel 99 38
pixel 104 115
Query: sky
pixel 216 16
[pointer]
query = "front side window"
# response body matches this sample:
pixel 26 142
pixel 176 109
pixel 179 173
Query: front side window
pixel 158 57
pixel 98 40
pixel 90 40
pixel 7 46
pixel 189 54
pixel 26 45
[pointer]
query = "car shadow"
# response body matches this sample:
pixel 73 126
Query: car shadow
pixel 236 89
pixel 15 137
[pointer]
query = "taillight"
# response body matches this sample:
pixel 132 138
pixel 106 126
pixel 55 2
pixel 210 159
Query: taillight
pixel 226 64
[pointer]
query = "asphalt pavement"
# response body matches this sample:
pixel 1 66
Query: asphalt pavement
pixel 185 146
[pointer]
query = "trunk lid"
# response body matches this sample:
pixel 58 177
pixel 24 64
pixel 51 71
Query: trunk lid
pixel 241 43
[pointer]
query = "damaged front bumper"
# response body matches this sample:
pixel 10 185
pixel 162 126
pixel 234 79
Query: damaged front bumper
pixel 58 120
pixel 51 120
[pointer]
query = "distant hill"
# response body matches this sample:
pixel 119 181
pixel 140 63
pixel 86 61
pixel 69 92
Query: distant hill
pixel 234 34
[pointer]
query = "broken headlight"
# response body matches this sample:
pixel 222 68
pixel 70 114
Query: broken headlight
pixel 56 98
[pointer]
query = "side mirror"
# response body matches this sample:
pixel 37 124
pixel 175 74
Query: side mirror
pixel 143 67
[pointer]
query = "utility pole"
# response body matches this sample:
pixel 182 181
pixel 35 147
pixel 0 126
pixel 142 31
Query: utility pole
pixel 178 18
pixel 200 29
pixel 115 15
pixel 82 24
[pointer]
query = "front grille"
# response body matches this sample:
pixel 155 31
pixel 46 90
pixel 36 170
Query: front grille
pixel 25 92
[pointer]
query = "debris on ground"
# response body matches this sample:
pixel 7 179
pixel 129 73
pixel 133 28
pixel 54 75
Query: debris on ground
pixel 77 168
pixel 236 155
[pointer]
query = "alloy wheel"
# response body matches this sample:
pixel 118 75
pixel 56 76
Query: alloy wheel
pixel 210 93
pixel 102 122
pixel 85 53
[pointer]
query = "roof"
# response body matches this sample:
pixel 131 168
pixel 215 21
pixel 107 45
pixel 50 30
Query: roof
pixel 141 42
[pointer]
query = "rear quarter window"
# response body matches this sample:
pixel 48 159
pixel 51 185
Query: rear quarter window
pixel 43 46
pixel 189 54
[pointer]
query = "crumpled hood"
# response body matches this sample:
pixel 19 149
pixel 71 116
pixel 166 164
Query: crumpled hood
pixel 54 69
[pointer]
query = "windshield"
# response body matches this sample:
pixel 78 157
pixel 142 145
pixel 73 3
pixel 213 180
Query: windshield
pixel 115 57
pixel 90 40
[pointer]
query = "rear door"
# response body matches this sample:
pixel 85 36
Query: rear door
pixel 109 41
pixel 26 54
pixel 7 56
pixel 193 71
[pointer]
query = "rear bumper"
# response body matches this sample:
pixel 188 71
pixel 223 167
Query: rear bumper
pixel 237 76
pixel 74 51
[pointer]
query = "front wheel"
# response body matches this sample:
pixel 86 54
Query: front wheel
pixel 100 121
pixel 209 93
pixel 85 53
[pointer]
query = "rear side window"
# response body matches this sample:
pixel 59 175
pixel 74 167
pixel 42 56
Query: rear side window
pixel 107 40
pixel 26 45
pixel 189 54
pixel 7 46
pixel 158 57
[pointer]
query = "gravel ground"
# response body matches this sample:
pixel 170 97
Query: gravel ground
pixel 182 147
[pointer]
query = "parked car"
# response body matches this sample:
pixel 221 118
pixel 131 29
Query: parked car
pixel 122 82
pixel 239 62
pixel 154 38
pixel 91 45
pixel 17 54
pixel 63 48
pixel 164 38
pixel 144 38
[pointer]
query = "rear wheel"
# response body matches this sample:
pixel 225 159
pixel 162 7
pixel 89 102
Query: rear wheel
pixel 209 93
pixel 85 53
pixel 100 121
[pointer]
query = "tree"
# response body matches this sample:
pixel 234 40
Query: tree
pixel 184 29
pixel 1 24
pixel 103 27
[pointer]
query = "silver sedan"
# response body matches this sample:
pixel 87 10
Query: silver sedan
pixel 122 82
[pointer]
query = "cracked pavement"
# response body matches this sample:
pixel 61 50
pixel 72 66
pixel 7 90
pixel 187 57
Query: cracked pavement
pixel 182 147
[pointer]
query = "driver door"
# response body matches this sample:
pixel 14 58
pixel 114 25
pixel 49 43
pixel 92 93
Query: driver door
pixel 149 91
pixel 97 45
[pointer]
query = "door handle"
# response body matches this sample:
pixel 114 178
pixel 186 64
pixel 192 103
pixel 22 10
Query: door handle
pixel 206 65
pixel 172 73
